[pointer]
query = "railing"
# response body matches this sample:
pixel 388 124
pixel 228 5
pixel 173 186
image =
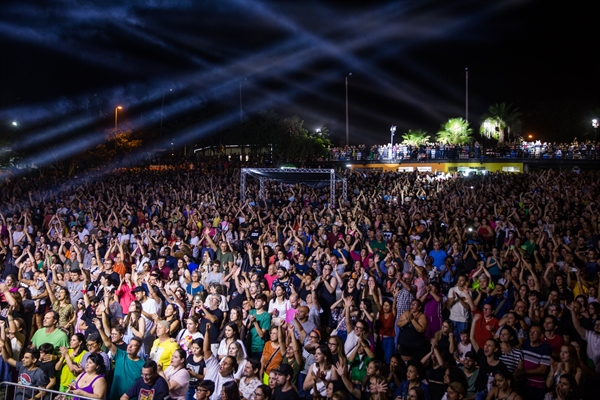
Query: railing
pixel 464 153
pixel 29 391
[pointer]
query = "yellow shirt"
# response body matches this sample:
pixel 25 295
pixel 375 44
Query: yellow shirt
pixel 162 352
pixel 66 376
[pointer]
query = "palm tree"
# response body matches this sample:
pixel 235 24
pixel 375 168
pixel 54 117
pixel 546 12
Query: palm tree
pixel 415 138
pixel 501 122
pixel 455 131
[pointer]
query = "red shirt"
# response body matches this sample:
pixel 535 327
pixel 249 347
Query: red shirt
pixel 555 343
pixel 485 330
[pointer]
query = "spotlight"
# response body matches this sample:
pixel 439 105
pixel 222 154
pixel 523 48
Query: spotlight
pixel 14 123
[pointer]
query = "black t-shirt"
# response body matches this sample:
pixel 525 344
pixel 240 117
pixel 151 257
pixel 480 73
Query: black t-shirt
pixel 215 328
pixel 48 368
pixel 236 299
pixel 197 367
pixel 289 395
pixel 140 390
pixel 486 370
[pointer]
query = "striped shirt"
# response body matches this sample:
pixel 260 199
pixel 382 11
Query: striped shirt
pixel 533 357
pixel 512 359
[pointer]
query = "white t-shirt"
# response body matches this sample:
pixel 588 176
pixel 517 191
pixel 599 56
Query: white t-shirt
pixel 151 307
pixel 593 348
pixel 212 373
pixel 458 312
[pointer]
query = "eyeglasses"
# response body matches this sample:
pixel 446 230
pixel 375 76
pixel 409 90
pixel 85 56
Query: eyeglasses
pixel 258 395
pixel 360 328
pixel 314 336
pixel 331 344
pixel 199 389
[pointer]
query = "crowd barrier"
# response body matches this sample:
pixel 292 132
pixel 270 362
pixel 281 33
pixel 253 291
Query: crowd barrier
pixel 8 390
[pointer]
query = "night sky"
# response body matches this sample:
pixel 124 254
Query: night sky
pixel 407 60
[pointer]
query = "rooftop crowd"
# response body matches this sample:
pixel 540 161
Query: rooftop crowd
pixel 154 284
pixel 587 150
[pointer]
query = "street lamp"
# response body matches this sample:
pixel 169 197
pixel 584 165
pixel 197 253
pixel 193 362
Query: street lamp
pixel 347 126
pixel 595 126
pixel 392 130
pixel 319 131
pixel 116 114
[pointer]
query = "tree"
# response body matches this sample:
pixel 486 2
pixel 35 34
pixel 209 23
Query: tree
pixel 415 138
pixel 455 131
pixel 501 122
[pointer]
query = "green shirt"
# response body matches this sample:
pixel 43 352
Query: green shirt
pixel 129 372
pixel 264 321
pixel 57 338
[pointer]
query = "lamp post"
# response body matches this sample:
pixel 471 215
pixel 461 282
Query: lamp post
pixel 347 126
pixel 595 126
pixel 392 130
pixel 116 119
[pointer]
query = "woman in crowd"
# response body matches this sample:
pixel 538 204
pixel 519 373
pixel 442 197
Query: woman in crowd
pixel 135 324
pixel 230 391
pixel 502 388
pixel 176 375
pixel 511 355
pixel 569 363
pixel 279 305
pixel 91 383
pixel 194 287
pixel 321 372
pixel 231 336
pixel 263 392
pixel 415 378
pixel 69 362
pixel 272 357
pixel 237 351
pixel 61 303
pixel 189 334
pixel 172 317
pixel 412 340
pixel 386 328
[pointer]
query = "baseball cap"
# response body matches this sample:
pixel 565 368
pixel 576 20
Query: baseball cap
pixel 139 289
pixel 284 369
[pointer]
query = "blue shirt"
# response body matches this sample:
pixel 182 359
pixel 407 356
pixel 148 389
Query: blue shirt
pixel 439 256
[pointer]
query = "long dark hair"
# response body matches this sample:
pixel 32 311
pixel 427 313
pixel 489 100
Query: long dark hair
pixel 82 347
pixel 231 390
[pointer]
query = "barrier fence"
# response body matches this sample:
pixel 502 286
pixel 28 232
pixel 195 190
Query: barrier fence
pixel 16 391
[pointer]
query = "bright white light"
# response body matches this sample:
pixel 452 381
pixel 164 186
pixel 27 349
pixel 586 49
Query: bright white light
pixel 348 165
pixel 15 123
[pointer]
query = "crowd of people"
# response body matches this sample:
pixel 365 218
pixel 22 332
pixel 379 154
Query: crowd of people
pixel 587 150
pixel 151 284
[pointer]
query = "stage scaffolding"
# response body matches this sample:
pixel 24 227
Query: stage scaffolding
pixel 314 177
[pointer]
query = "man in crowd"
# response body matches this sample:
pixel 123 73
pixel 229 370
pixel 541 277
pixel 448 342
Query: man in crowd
pixel 250 379
pixel 284 389
pixel 149 386
pixel 49 333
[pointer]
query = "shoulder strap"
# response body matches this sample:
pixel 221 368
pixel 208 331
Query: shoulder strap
pixel 271 358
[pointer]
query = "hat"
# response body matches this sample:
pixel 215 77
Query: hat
pixel 284 369
pixel 138 289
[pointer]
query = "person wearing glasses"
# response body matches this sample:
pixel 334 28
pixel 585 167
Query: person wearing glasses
pixel 357 331
pixel 263 392
pixel 204 390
